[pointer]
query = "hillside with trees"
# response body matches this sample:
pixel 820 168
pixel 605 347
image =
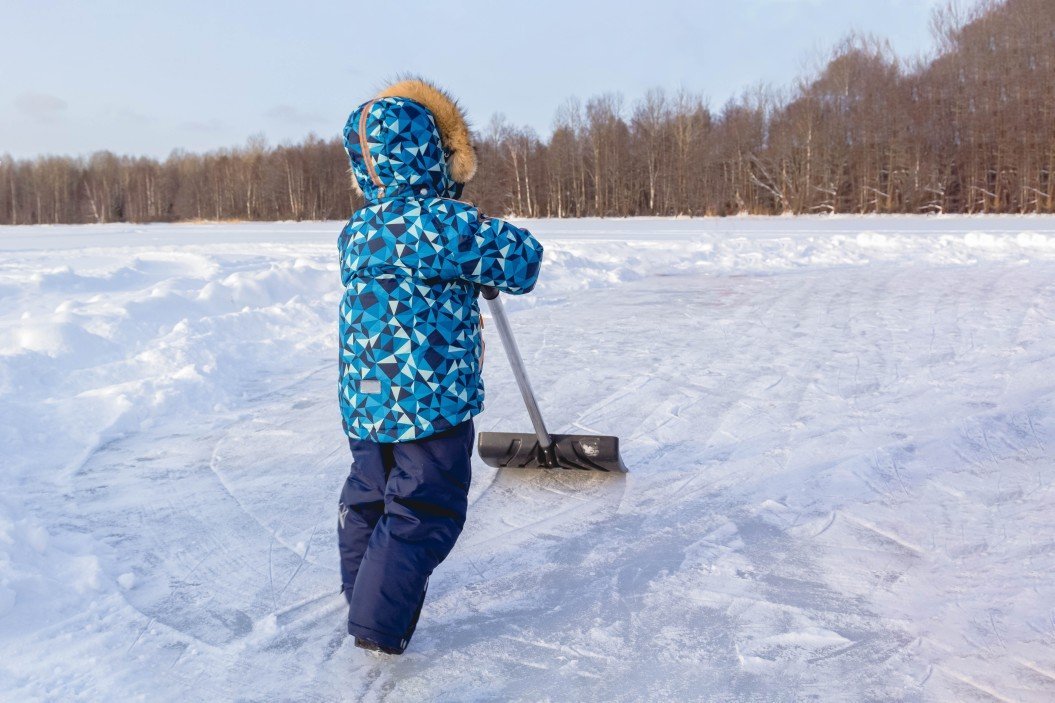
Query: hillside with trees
pixel 970 129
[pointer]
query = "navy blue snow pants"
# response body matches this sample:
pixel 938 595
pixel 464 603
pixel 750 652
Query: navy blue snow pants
pixel 401 510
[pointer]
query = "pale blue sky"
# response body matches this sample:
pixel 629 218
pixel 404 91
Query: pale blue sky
pixel 149 76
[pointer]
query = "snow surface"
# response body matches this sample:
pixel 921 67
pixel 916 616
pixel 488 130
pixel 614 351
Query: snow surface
pixel 841 436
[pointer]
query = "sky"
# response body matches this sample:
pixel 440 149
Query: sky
pixel 151 76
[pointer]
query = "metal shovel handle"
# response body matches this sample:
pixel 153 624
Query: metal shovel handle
pixel 498 312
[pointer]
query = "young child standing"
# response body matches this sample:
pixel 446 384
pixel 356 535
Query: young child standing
pixel 412 261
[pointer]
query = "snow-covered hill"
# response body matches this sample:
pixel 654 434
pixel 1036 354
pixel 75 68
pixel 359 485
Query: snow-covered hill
pixel 841 435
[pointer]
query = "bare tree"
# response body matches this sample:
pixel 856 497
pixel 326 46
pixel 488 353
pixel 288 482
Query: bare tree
pixel 969 128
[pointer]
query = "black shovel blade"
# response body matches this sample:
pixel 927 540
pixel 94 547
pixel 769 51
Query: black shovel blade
pixel 570 451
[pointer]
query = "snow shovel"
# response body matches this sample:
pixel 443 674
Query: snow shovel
pixel 540 450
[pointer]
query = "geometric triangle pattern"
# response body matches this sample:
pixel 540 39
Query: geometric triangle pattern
pixel 411 262
pixel 404 155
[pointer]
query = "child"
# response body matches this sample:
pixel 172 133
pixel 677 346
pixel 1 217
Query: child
pixel 412 261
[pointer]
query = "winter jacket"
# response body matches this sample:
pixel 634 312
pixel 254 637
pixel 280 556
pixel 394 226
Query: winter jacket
pixel 411 262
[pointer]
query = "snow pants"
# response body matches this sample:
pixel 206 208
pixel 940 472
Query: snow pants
pixel 401 511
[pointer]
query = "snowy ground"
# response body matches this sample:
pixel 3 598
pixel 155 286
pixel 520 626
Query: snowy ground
pixel 841 435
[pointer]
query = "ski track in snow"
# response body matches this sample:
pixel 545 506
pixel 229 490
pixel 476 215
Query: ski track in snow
pixel 840 433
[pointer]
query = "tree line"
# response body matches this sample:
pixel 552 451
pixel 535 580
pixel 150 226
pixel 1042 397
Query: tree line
pixel 306 181
pixel 969 130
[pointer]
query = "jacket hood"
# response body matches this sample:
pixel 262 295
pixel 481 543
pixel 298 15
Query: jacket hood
pixel 412 138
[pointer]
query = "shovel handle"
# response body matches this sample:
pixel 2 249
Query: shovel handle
pixel 498 312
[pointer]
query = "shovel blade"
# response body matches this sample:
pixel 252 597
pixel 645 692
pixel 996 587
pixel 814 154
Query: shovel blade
pixel 522 451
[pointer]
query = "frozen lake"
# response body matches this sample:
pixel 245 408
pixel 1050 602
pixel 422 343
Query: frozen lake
pixel 841 436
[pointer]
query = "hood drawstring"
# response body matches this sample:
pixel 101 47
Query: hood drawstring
pixel 364 146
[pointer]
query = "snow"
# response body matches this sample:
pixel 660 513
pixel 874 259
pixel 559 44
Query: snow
pixel 840 433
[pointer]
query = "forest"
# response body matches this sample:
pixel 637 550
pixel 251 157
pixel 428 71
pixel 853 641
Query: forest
pixel 968 129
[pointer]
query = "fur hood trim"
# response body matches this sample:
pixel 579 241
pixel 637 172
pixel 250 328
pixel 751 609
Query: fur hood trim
pixel 450 120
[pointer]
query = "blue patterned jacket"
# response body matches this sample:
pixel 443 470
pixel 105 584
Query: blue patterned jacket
pixel 411 262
